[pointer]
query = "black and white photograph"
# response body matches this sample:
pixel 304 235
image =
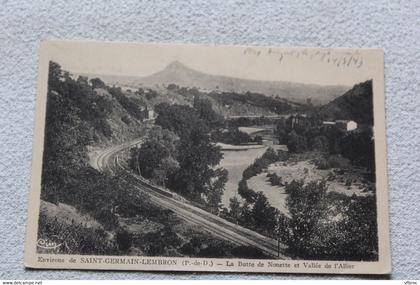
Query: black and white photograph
pixel 209 158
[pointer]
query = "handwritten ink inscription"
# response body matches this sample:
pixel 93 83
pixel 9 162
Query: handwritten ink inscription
pixel 344 59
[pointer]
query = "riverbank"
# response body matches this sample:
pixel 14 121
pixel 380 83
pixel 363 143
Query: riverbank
pixel 231 147
pixel 235 162
pixel 303 167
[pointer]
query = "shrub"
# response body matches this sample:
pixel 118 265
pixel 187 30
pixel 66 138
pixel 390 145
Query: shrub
pixel 296 143
pixel 348 182
pixel 274 179
pixel 337 161
pixel 124 239
pixel 126 119
pixel 321 143
pixel 75 238
pixel 248 194
pixel 315 235
pixel 263 162
pixel 248 252
pixel 106 218
pixel 332 161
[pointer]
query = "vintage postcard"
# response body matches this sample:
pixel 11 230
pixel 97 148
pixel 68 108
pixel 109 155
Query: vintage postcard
pixel 209 158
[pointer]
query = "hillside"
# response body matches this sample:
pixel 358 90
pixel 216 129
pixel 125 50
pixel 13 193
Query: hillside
pixel 79 116
pixel 124 118
pixel 231 103
pixel 224 103
pixel 356 104
pixel 179 74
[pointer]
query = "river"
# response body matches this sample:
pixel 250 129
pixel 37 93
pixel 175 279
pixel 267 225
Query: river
pixel 235 163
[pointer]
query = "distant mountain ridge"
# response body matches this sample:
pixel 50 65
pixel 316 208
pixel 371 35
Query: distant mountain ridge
pixel 181 75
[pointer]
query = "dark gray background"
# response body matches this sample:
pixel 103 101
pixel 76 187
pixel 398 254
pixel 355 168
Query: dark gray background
pixel 387 24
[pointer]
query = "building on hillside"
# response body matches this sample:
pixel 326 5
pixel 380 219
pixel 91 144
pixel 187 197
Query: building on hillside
pixel 150 114
pixel 345 125
pixel 147 113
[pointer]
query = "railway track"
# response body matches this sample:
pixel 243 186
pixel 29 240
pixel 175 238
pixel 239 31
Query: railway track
pixel 110 160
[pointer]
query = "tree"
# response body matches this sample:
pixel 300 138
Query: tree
pixel 258 139
pixel 216 189
pixel 331 225
pixel 97 83
pixel 196 156
pixel 307 206
pixel 167 167
pixel 231 136
pixel 248 252
pixel 124 239
pixel 360 228
pixel 172 86
pixel 296 143
pixel 321 143
pixel 82 80
pixel 149 157
pixel 246 218
pixel 270 155
pixel 283 228
pixel 166 137
pixel 334 136
pixel 281 131
pixel 180 119
pixel 359 147
pixel 206 112
pixel 156 158
pixel 264 216
pixel 235 208
pixel 274 179
pixel 130 104
pixel 245 192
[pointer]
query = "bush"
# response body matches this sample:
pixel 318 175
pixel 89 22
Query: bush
pixel 124 239
pixel 348 182
pixel 315 235
pixel 248 194
pixel 232 136
pixel 359 147
pixel 274 179
pixel 106 218
pixel 337 161
pixel 263 162
pixel 75 238
pixel 258 139
pixel 131 105
pixel 296 143
pixel 264 216
pixel 282 155
pixel 333 161
pixel 320 143
pixel 250 252
pixel 126 120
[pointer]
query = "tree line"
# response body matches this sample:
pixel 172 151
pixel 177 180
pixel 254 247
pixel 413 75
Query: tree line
pixel 311 135
pixel 76 117
pixel 328 225
pixel 319 224
pixel 180 155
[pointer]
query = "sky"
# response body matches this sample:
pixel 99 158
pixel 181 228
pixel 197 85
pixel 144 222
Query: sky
pixel 303 65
